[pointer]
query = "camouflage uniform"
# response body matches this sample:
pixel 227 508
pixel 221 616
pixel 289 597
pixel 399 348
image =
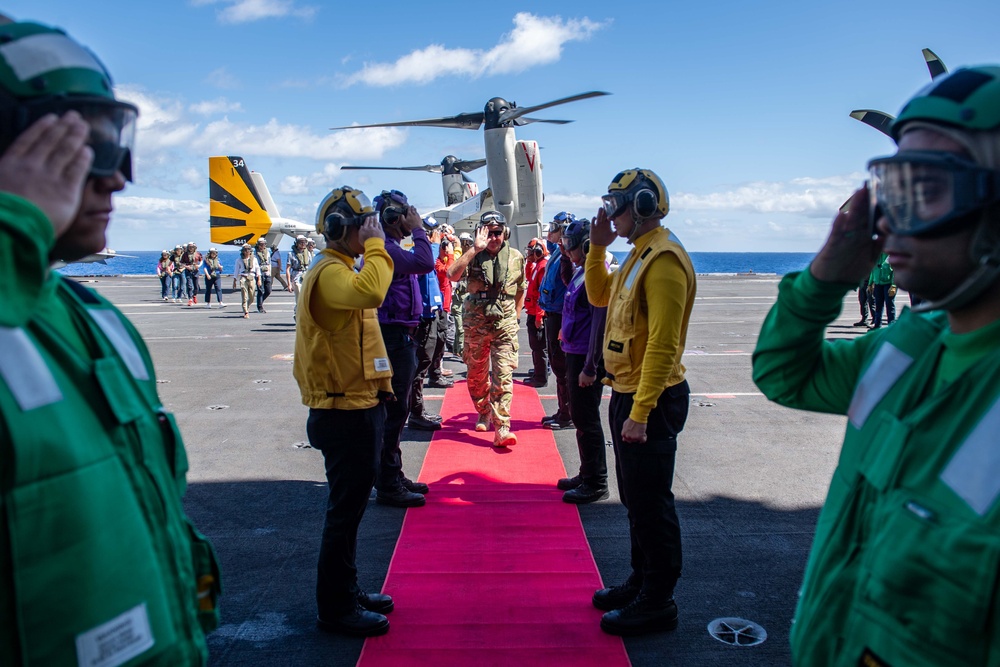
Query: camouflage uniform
pixel 490 323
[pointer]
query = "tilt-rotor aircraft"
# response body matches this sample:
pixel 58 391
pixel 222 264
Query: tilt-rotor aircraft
pixel 880 120
pixel 456 185
pixel 241 209
pixel 513 166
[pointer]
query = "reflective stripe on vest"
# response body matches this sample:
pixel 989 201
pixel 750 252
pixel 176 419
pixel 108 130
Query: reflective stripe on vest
pixel 116 332
pixel 974 471
pixel 25 372
pixel 888 366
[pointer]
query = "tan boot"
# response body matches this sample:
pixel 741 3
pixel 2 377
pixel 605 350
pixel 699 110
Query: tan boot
pixel 483 423
pixel 504 438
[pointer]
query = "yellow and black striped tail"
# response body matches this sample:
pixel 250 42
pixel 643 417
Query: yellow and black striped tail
pixel 237 214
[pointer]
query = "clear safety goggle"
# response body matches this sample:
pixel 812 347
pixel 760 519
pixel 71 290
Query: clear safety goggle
pixel 493 218
pixel 112 128
pixel 921 192
pixel 614 204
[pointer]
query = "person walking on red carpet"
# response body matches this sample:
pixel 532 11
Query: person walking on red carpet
pixel 492 316
pixel 649 302
pixel 344 376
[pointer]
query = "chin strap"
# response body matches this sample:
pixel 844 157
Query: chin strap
pixel 980 280
pixel 985 250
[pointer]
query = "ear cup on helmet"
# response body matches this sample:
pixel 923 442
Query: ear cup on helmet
pixel 645 203
pixel 334 228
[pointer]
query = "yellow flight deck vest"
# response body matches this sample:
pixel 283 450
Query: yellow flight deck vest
pixel 346 369
pixel 626 333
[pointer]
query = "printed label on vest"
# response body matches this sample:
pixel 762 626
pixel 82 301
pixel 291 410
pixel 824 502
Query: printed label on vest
pixel 616 346
pixel 888 366
pixel 974 471
pixel 117 641
pixel 382 364
pixel 24 371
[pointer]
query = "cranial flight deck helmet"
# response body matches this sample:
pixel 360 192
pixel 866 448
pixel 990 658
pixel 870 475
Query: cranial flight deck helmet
pixel 577 234
pixel 932 194
pixel 640 189
pixel 43 71
pixel 342 208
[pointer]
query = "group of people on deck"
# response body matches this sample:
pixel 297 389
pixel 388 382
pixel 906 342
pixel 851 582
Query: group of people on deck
pixel 100 564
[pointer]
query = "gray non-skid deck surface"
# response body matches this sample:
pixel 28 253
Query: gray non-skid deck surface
pixel 750 479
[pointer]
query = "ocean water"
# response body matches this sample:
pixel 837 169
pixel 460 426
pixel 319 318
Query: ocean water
pixel 143 262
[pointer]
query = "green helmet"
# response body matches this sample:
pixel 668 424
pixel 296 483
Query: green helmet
pixel 42 71
pixel 967 98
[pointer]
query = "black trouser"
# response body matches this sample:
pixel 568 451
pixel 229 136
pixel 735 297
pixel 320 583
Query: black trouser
pixel 865 300
pixel 553 323
pixel 427 341
pixel 264 290
pixel 882 299
pixel 536 341
pixel 402 352
pixel 585 409
pixel 213 284
pixel 350 441
pixel 645 473
pixel 440 334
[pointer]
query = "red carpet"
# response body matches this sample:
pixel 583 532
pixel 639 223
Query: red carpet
pixel 495 569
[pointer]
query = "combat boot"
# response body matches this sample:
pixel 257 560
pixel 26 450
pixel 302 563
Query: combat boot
pixel 483 423
pixel 504 438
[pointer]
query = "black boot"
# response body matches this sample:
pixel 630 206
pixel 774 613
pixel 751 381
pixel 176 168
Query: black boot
pixel 641 617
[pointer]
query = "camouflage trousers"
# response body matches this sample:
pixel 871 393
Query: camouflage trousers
pixel 490 353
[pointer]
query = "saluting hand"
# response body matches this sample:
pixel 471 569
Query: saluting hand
pixel 371 229
pixel 47 164
pixel 601 232
pixel 850 251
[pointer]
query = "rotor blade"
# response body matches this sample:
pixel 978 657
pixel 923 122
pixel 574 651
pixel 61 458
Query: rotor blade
pixel 934 64
pixel 880 120
pixel 528 121
pixel 463 121
pixel 470 165
pixel 517 112
pixel 433 168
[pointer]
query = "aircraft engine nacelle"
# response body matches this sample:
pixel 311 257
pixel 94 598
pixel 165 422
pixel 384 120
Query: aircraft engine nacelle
pixel 529 190
pixel 455 191
pixel 501 169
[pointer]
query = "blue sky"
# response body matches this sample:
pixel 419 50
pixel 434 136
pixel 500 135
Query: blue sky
pixel 742 108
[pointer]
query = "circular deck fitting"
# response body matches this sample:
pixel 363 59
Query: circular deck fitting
pixel 737 631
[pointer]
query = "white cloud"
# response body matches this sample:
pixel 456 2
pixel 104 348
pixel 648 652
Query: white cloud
pixel 277 139
pixel 810 197
pixel 216 106
pixel 303 185
pixel 246 11
pixel 535 40
pixel 577 203
pixel 157 212
pixel 221 77
pixel 161 122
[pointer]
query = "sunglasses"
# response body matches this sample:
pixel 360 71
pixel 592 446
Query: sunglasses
pixel 496 232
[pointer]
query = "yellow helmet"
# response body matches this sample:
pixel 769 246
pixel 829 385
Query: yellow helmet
pixel 640 188
pixel 340 209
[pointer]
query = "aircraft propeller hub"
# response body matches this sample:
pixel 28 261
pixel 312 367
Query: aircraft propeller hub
pixel 494 110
